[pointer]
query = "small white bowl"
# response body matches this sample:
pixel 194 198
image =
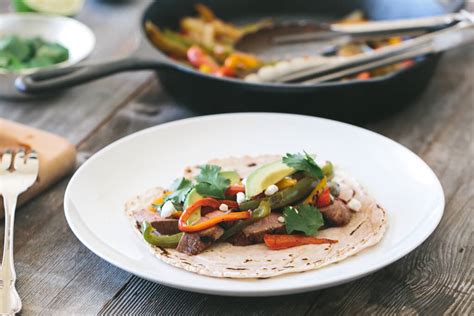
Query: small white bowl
pixel 72 34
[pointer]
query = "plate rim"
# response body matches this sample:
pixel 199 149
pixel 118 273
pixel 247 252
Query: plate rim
pixel 393 255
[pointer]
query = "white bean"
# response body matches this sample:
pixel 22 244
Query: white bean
pixel 272 189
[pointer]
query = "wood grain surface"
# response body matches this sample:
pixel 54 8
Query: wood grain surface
pixel 57 275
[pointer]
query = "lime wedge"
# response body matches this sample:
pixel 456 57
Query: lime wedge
pixel 60 7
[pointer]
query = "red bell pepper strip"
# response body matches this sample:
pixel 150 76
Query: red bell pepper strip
pixel 225 71
pixel 209 202
pixel 233 216
pixel 276 242
pixel 234 189
pixel 407 63
pixel 198 58
pixel 363 75
pixel 324 199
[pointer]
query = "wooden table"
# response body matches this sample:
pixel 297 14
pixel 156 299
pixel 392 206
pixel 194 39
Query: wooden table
pixel 59 275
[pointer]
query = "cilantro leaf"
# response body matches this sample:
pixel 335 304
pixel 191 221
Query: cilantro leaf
pixel 210 182
pixel 303 218
pixel 179 188
pixel 304 163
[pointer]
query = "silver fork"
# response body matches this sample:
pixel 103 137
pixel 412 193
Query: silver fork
pixel 18 171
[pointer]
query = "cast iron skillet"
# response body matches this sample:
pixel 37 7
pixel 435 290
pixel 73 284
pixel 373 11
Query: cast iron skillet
pixel 350 101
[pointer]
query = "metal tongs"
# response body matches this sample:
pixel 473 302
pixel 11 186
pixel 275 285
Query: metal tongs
pixel 317 69
pixel 401 26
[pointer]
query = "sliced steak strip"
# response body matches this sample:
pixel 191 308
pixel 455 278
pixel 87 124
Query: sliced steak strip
pixel 253 234
pixel 195 243
pixel 214 232
pixel 191 244
pixel 337 214
pixel 166 226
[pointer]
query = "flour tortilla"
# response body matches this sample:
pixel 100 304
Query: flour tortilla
pixel 365 229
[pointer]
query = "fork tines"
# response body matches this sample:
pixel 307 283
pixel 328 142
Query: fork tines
pixel 17 159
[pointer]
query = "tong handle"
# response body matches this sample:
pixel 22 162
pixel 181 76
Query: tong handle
pixel 424 23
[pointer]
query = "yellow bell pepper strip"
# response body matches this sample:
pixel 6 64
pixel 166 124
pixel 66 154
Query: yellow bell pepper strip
pixel 242 61
pixel 276 242
pixel 205 12
pixel 158 201
pixel 286 183
pixel 232 216
pixel 318 189
pixel 395 40
pixel 206 69
pixel 164 241
pixel 198 58
pixel 217 51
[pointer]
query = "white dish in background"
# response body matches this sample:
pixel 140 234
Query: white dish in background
pixel 72 34
pixel 96 194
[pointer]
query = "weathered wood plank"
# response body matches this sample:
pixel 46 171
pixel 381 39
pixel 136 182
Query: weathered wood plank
pixel 451 86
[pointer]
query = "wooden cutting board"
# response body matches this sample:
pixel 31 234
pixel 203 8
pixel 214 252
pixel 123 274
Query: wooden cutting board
pixel 56 155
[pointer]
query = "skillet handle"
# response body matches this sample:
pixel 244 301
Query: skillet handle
pixel 62 78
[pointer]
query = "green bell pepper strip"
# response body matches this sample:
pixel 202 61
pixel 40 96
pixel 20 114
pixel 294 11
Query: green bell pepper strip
pixel 335 189
pixel 169 45
pixel 285 197
pixel 178 38
pixel 164 241
pixel 237 227
pixel 263 210
pixel 328 170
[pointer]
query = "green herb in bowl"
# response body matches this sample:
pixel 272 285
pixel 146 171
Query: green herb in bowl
pixel 17 53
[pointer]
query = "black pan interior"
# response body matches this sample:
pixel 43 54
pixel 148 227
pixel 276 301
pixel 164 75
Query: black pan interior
pixel 166 13
pixel 355 101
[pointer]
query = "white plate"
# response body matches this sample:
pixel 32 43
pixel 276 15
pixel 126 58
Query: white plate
pixel 399 180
